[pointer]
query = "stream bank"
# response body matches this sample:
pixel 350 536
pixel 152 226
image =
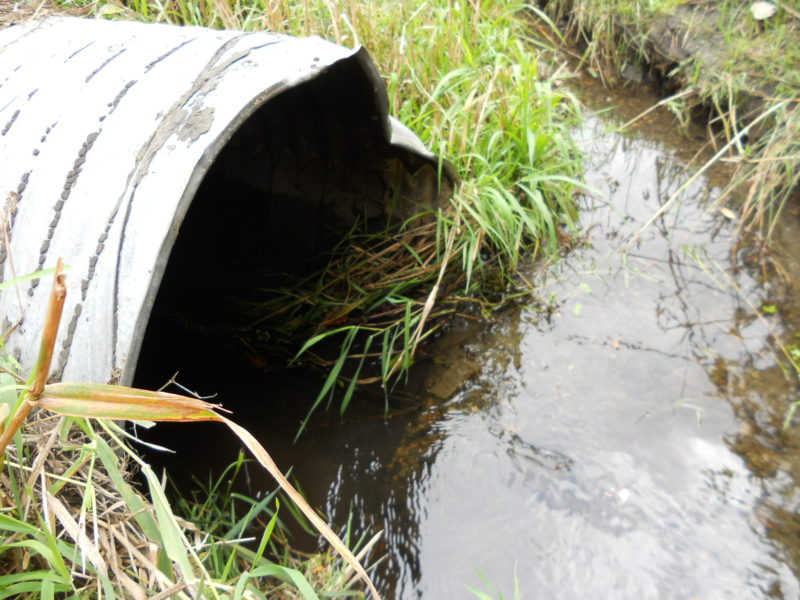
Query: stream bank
pixel 719 63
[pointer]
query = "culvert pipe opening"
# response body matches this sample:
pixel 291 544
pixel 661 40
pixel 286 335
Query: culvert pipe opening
pixel 302 205
pixel 135 127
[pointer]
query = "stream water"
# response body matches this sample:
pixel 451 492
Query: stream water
pixel 618 436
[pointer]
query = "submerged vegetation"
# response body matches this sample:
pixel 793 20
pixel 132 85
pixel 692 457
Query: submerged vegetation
pixel 718 61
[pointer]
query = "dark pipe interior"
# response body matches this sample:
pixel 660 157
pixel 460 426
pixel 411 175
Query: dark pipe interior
pixel 303 169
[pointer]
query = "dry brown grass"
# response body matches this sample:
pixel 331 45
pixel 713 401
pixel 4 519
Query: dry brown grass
pixel 53 473
pixel 13 12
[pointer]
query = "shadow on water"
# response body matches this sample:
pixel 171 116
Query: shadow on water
pixel 620 437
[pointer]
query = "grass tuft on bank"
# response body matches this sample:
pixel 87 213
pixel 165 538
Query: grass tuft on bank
pixel 723 66
pixel 74 527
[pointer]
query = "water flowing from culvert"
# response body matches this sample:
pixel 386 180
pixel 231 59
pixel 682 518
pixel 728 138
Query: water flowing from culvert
pixel 618 438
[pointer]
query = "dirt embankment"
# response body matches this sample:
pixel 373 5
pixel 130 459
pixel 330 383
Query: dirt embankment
pixel 689 47
pixel 704 44
pixel 721 61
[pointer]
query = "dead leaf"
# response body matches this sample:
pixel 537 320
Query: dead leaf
pixel 118 402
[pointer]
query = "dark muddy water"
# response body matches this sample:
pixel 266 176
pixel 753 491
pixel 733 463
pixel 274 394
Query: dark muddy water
pixel 618 436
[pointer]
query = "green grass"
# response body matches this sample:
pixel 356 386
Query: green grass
pixel 469 83
pixel 244 541
pixel 61 545
pixel 735 66
pixel 494 595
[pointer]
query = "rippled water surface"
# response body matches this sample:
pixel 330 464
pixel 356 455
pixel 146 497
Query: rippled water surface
pixel 617 436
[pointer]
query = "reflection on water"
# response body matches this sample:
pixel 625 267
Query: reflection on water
pixel 615 440
pixel 618 438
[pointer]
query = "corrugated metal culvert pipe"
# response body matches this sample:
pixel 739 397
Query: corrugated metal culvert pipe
pixel 110 131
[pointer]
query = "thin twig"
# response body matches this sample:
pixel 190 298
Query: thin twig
pixel 658 104
pixel 668 204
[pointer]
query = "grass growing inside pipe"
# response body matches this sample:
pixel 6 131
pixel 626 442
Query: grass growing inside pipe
pixel 466 78
pixel 723 60
pixel 469 83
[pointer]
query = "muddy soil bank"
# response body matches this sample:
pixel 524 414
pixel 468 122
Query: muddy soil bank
pixel 713 63
pixel 672 43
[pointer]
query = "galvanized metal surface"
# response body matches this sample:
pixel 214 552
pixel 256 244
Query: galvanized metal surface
pixel 106 132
